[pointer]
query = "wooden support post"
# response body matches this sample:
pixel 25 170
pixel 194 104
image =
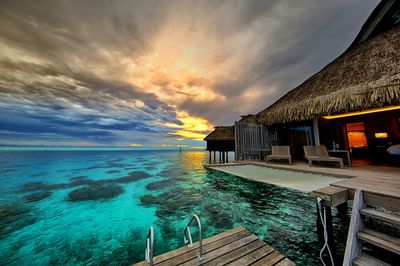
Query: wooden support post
pixel 215 158
pixel 316 132
pixel 343 208
pixel 209 157
pixel 219 156
pixel 236 142
pixel 332 196
pixel 329 229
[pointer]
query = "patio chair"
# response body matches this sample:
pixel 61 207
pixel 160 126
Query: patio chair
pixel 280 152
pixel 320 154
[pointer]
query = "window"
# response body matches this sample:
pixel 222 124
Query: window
pixel 356 135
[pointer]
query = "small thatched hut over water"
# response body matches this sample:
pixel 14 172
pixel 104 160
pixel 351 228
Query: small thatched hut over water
pixel 221 140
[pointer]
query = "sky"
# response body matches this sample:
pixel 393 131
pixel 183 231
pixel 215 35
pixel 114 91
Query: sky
pixel 157 74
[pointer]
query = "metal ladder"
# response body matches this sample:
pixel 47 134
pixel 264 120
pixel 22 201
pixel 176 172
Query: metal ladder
pixel 189 235
pixel 187 238
pixel 149 251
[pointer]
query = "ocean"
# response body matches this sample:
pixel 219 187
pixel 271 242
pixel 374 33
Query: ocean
pixel 95 206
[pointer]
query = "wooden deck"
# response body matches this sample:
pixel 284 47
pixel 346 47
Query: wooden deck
pixel 380 180
pixel 235 247
pixel 384 185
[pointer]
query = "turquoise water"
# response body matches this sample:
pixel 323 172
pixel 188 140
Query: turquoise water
pixel 95 207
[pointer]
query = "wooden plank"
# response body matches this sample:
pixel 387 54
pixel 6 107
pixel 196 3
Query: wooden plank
pixel 388 188
pixel 253 256
pixel 383 216
pixel 382 240
pixel 220 251
pixel 365 259
pixel 386 202
pixel 195 246
pixel 236 254
pixel 285 262
pixel 192 254
pixel 270 259
pixel 353 244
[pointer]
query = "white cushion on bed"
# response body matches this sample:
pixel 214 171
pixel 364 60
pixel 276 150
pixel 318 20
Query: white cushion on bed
pixel 394 150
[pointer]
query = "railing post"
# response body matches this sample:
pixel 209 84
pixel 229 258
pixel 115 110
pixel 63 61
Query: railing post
pixel 189 240
pixel 149 252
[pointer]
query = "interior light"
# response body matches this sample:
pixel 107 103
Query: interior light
pixel 389 108
pixel 381 135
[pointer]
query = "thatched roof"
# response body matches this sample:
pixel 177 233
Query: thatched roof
pixel 365 77
pixel 221 133
pixel 250 118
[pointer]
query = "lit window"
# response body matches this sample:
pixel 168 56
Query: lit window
pixel 381 135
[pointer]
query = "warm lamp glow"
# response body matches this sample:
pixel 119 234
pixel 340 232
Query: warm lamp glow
pixel 357 139
pixel 381 135
pixel 389 108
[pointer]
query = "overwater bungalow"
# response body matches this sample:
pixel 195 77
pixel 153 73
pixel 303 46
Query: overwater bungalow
pixel 221 140
pixel 351 105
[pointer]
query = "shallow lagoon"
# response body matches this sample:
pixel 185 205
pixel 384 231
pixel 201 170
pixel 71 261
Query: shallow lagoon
pixel 95 207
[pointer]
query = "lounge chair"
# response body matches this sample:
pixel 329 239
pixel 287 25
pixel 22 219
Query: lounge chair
pixel 280 152
pixel 320 154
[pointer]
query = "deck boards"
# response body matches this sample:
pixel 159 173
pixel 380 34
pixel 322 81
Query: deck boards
pixel 379 180
pixel 385 186
pixel 235 247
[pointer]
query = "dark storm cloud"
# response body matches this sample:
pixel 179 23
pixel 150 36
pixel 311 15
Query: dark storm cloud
pixel 300 37
pixel 75 71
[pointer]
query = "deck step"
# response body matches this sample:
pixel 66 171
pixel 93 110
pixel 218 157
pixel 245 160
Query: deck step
pixel 365 259
pixel 383 216
pixel 381 240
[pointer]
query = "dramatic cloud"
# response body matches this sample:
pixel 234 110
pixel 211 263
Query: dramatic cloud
pixel 157 73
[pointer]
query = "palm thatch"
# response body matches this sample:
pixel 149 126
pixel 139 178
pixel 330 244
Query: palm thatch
pixel 365 77
pixel 250 118
pixel 221 133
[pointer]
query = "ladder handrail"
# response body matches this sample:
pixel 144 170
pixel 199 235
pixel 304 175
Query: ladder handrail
pixel 189 240
pixel 353 244
pixel 149 251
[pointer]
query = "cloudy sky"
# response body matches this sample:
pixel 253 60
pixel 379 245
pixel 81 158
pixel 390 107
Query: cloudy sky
pixel 157 73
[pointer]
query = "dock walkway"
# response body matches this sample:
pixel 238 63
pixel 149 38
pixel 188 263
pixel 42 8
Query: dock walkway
pixel 235 247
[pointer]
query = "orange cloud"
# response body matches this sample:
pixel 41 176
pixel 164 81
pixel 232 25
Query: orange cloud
pixel 189 135
pixel 191 127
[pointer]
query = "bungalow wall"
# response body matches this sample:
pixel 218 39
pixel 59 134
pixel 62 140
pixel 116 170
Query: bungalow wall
pixel 296 136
